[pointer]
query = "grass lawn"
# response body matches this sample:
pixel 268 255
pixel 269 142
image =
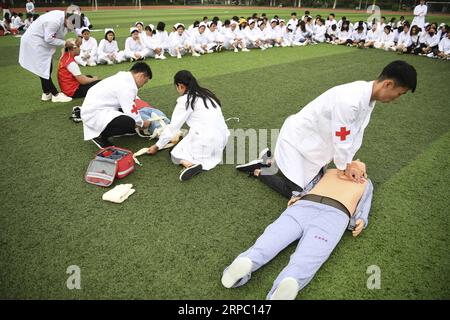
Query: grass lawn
pixel 172 240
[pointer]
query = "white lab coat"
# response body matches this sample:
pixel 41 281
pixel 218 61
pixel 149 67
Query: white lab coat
pixel 106 48
pixel 177 42
pixel 38 44
pixel 309 139
pixel 404 39
pixel 87 48
pixel 132 47
pixel 103 101
pixel 444 45
pixel 319 33
pixel 419 16
pixel 207 136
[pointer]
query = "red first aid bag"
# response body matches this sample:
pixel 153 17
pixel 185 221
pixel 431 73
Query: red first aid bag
pixel 109 163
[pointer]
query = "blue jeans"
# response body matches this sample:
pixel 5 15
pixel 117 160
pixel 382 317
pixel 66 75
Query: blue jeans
pixel 146 113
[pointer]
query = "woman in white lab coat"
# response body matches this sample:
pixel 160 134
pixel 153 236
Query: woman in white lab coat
pixel 88 49
pixel 135 48
pixel 108 50
pixel 152 44
pixel 38 45
pixel 200 109
pixel 178 41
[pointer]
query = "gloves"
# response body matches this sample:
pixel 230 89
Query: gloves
pixel 119 193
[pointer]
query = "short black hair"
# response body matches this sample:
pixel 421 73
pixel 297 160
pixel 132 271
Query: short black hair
pixel 160 26
pixel 402 73
pixel 108 32
pixel 142 67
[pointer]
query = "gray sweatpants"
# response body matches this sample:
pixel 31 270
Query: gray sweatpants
pixel 318 227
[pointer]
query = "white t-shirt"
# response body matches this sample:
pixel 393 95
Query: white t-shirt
pixel 74 69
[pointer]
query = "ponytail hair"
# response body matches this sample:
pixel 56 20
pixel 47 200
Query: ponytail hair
pixel 194 91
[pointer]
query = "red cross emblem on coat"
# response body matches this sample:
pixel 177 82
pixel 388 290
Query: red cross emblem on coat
pixel 343 133
pixel 134 109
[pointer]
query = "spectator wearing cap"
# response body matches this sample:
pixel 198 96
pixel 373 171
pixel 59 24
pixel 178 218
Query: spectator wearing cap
pixel 262 34
pixel 276 34
pixel 152 44
pixel 108 50
pixel 215 38
pixel 442 33
pixel 140 26
pixel 200 41
pixel 134 47
pixel 288 36
pixel 88 49
pixel 38 45
pixel 233 38
pixel 252 36
pixel 178 41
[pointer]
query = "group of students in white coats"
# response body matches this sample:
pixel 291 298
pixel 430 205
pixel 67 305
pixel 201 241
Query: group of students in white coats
pixel 110 110
pixel 432 41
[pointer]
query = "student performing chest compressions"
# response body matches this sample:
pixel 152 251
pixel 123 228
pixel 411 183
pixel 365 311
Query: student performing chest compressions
pixel 318 220
pixel 330 128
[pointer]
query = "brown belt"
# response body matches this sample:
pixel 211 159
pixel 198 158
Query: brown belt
pixel 328 201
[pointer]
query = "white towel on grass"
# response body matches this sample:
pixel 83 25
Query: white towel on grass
pixel 119 193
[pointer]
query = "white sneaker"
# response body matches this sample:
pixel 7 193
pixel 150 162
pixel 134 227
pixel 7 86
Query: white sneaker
pixel 245 50
pixel 236 50
pixel 209 51
pixel 178 56
pixel 287 290
pixel 109 62
pixel 195 54
pixel 237 270
pixel 46 97
pixel 92 64
pixel 61 97
pixel 162 57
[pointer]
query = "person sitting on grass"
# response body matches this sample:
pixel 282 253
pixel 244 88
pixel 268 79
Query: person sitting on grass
pixel 444 47
pixel 71 81
pixel 201 110
pixel 318 220
pixel 88 49
pixel 134 46
pixel 108 50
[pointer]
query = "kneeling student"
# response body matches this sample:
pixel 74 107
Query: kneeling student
pixel 318 220
pixel 203 146
pixel 72 83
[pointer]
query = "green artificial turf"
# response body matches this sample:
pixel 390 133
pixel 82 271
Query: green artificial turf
pixel 172 240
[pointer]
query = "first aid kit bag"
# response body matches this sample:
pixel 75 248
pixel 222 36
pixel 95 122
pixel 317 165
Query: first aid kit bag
pixel 109 163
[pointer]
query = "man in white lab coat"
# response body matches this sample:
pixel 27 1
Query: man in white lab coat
pixel 330 128
pixel 109 108
pixel 420 11
pixel 38 45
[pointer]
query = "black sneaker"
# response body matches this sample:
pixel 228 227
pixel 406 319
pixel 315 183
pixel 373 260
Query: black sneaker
pixel 102 142
pixel 188 173
pixel 251 166
pixel 76 114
